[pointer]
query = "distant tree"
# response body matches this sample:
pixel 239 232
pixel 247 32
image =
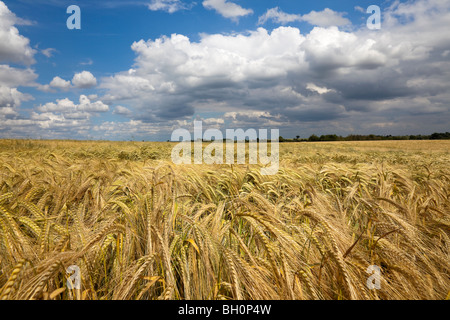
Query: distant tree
pixel 439 136
pixel 372 137
pixel 329 137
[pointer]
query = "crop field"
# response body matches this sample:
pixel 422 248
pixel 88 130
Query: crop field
pixel 140 227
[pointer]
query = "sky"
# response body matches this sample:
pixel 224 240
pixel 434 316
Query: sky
pixel 138 70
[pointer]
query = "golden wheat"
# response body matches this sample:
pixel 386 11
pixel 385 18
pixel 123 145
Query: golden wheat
pixel 140 227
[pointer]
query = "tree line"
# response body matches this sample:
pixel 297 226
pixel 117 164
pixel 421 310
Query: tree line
pixel 370 137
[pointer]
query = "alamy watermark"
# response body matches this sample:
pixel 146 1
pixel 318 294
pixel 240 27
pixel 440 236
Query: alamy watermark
pixel 74 281
pixel 374 21
pixel 74 21
pixel 374 281
pixel 258 144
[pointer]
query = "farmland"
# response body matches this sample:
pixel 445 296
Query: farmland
pixel 140 227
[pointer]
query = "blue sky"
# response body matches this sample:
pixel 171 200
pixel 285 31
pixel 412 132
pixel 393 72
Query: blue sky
pixel 141 69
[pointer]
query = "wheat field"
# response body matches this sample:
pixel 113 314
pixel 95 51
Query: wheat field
pixel 140 227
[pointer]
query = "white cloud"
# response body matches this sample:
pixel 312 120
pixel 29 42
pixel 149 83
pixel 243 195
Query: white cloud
pixel 312 87
pixel 169 6
pixel 67 106
pixel 88 62
pixel 50 124
pixel 60 83
pixel 332 49
pixel 129 129
pixel 14 77
pixel 48 52
pixel 227 9
pixel 360 9
pixel 62 105
pixel 88 106
pixel 174 74
pixel 248 114
pixel 6 112
pixel 120 110
pixel 10 79
pixel 278 16
pixel 13 46
pixel 175 71
pixel 11 97
pixel 326 18
pixel 61 119
pixel 84 80
pixel 126 86
pixel 213 121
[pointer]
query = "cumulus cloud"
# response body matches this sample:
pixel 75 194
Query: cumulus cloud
pixel 120 110
pixel 326 18
pixel 360 9
pixel 13 46
pixel 169 6
pixel 131 129
pixel 312 87
pixel 278 16
pixel 174 74
pixel 7 112
pixel 14 77
pixel 60 83
pixel 88 106
pixel 84 80
pixel 63 119
pixel 66 106
pixel 227 9
pixel 11 97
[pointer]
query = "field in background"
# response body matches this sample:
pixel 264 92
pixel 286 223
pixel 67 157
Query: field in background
pixel 140 227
